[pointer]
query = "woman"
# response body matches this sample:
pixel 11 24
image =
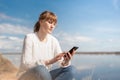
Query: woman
pixel 41 50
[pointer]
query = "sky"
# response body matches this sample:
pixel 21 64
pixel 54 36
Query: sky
pixel 92 25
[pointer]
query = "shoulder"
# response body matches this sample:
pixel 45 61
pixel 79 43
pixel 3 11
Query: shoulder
pixel 30 36
pixel 52 38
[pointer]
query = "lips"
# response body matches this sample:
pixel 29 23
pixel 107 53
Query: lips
pixel 51 29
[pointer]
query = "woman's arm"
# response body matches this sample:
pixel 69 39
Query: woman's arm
pixel 55 59
pixel 67 58
pixel 27 55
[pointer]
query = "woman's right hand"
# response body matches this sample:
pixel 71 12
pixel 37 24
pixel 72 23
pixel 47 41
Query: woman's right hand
pixel 55 59
pixel 59 57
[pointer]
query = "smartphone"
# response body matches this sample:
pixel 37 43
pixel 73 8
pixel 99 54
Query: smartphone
pixel 74 48
pixel 71 50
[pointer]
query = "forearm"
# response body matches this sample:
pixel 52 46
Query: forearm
pixel 55 59
pixel 48 62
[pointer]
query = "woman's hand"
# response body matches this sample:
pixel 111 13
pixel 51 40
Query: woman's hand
pixel 66 55
pixel 55 59
pixel 67 58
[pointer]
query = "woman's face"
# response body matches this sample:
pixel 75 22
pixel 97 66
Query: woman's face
pixel 47 26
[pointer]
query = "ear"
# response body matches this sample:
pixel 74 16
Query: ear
pixel 41 21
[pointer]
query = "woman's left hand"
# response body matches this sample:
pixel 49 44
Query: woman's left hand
pixel 68 57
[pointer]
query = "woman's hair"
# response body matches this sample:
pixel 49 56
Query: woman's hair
pixel 46 15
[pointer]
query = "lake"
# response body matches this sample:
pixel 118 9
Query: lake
pixel 90 66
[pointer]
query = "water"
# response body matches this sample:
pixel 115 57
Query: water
pixel 90 67
pixel 97 67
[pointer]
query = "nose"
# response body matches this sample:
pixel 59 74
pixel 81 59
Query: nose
pixel 52 25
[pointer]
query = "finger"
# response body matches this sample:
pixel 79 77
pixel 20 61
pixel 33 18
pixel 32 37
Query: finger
pixel 65 56
pixel 73 52
pixel 69 55
pixel 62 54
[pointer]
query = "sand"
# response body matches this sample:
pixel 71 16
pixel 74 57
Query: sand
pixel 8 71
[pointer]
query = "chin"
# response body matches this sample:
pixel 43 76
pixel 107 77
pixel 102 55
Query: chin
pixel 49 32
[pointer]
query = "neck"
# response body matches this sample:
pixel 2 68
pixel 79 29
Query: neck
pixel 42 36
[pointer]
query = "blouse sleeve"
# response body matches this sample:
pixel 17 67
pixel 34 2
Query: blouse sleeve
pixel 27 55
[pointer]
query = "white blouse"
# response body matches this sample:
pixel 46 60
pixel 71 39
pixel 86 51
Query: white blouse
pixel 35 51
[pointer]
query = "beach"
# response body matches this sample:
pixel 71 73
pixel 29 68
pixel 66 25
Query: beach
pixel 8 70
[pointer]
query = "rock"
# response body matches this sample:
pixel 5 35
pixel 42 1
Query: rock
pixel 7 70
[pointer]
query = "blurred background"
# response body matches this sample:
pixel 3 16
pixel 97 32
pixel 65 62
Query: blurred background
pixel 92 25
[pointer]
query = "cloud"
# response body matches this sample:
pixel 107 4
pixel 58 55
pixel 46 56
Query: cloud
pixel 104 29
pixel 6 17
pixel 2 37
pixel 73 38
pixel 14 29
pixel 10 43
pixel 86 43
pixel 69 40
pixel 15 39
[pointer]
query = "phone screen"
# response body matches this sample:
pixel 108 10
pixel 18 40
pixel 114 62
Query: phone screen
pixel 74 48
pixel 71 50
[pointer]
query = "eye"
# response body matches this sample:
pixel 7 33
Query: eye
pixel 50 21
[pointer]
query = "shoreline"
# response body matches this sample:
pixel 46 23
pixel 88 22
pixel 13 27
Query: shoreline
pixel 18 53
